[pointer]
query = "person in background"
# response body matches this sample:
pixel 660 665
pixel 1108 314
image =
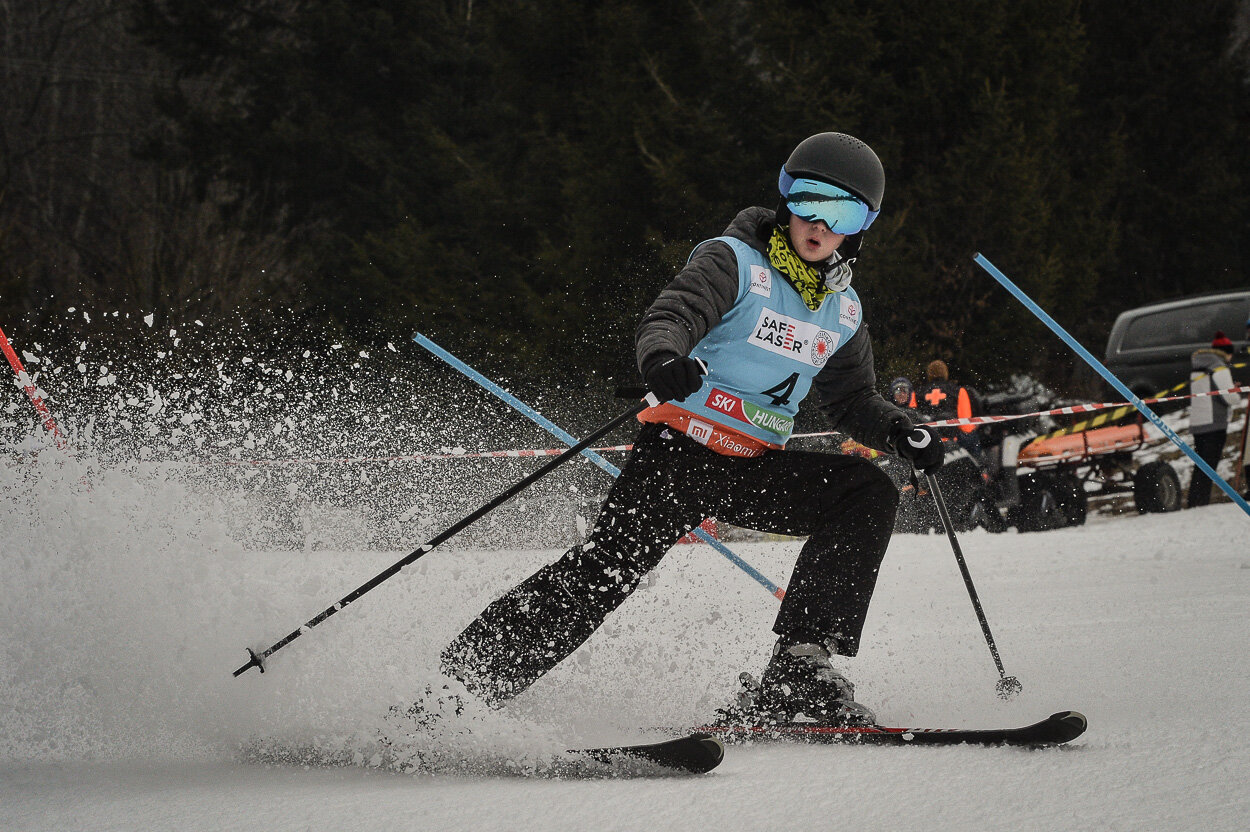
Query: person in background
pixel 1208 415
pixel 902 393
pixel 1245 440
pixel 941 399
pixel 1245 454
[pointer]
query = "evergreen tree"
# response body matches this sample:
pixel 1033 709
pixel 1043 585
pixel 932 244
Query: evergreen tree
pixel 1170 80
pixel 523 177
pixel 971 107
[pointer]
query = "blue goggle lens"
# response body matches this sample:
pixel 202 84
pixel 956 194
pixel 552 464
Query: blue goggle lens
pixel 812 200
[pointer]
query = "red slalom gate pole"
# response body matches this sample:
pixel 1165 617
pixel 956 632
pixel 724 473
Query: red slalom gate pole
pixel 32 393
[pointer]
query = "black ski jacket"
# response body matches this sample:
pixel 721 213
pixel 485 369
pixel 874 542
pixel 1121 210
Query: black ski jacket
pixel 707 287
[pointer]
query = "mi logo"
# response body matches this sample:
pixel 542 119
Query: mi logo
pixel 700 432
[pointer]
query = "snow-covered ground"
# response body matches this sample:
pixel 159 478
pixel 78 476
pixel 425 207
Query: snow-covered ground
pixel 126 605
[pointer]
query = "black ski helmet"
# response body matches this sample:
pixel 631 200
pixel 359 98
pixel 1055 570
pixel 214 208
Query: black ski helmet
pixel 840 160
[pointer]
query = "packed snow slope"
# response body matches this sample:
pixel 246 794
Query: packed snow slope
pixel 127 603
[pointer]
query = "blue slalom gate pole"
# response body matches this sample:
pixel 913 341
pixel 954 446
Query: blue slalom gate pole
pixel 566 437
pixel 1112 380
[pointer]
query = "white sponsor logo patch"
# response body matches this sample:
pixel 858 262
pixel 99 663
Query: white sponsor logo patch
pixel 761 281
pixel 849 314
pixel 793 338
pixel 700 432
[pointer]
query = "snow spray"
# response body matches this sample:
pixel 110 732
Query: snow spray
pixel 125 599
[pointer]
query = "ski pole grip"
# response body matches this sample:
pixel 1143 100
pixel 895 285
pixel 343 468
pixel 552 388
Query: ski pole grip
pixel 653 401
pixel 919 439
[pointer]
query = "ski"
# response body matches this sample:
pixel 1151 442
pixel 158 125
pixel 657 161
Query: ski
pixel 1056 729
pixel 693 754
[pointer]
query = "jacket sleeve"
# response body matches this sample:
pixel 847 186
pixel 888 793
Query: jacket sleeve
pixel 690 305
pixel 845 392
pixel 1222 379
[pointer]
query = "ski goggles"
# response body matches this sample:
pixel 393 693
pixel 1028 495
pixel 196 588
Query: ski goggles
pixel 812 200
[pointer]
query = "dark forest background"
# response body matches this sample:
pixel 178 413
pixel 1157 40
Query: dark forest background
pixel 518 179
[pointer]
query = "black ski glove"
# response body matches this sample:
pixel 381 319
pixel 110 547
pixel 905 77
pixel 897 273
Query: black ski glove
pixel 921 445
pixel 674 378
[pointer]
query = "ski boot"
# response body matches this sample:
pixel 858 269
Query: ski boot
pixel 799 686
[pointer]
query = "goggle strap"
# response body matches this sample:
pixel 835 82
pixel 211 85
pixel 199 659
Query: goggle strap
pixel 784 182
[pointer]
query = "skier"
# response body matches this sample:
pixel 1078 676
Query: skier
pixel 769 310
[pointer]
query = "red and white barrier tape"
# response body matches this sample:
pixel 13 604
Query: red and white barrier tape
pixel 974 420
pixel 1058 411
pixel 1079 408
pixel 420 457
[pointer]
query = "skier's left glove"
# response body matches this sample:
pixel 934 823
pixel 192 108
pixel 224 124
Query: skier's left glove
pixel 921 445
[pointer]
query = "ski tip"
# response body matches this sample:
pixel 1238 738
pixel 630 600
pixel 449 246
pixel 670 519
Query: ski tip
pixel 694 753
pixel 1073 724
pixel 712 747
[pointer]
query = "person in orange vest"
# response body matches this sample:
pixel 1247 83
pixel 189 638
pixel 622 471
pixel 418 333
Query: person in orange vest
pixel 940 399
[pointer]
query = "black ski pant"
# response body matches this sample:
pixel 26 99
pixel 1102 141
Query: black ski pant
pixel 845 505
pixel 1209 447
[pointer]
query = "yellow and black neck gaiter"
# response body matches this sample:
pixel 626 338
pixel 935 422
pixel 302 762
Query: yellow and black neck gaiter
pixel 807 281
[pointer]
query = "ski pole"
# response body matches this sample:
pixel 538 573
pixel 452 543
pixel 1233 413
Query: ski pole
pixel 564 436
pixel 1008 686
pixel 257 659
pixel 1111 379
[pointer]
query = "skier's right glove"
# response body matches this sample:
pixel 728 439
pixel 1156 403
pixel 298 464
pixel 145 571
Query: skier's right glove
pixel 921 445
pixel 673 378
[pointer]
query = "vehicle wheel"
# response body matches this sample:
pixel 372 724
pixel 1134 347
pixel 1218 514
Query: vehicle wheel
pixel 1156 488
pixel 1041 505
pixel 960 482
pixel 1073 498
pixel 986 515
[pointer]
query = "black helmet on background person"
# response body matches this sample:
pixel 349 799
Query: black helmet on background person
pixel 901 383
pixel 840 160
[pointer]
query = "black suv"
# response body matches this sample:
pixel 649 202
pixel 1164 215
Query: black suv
pixel 1150 347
